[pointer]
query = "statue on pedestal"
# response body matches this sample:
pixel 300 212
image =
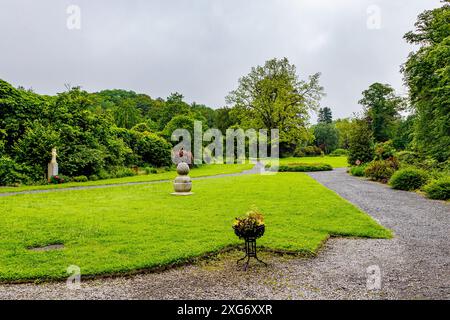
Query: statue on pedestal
pixel 52 166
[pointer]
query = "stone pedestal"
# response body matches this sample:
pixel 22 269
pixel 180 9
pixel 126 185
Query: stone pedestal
pixel 182 184
pixel 52 170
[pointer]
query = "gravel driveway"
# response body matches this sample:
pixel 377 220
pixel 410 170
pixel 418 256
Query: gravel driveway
pixel 413 265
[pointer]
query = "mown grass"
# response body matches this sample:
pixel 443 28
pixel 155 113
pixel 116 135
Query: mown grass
pixel 202 171
pixel 126 228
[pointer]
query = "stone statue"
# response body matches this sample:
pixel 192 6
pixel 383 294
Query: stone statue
pixel 54 154
pixel 182 184
pixel 52 166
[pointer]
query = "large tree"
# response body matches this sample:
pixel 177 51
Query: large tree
pixel 326 136
pixel 325 115
pixel 427 75
pixel 272 96
pixel 126 114
pixel 381 108
pixel 344 127
pixel 361 143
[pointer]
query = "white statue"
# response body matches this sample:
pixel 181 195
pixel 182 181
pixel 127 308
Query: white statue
pixel 54 154
pixel 52 166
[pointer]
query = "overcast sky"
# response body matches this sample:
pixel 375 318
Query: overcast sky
pixel 201 47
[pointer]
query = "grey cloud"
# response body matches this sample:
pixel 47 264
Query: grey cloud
pixel 201 47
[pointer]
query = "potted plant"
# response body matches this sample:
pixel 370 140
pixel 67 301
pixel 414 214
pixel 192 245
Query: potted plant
pixel 250 227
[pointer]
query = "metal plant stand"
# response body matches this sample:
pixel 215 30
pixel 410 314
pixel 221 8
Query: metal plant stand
pixel 250 251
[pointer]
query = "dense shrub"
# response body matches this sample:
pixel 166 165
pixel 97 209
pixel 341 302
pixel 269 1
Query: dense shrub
pixel 305 167
pixel 360 143
pixel 384 150
pixel 102 174
pixel 357 171
pixel 12 173
pixel 309 151
pixel 408 179
pixel 338 153
pixel 438 189
pixel 381 170
pixel 80 179
pixel 408 157
pixel 123 172
pixel 150 170
pixel 154 150
pixel 93 177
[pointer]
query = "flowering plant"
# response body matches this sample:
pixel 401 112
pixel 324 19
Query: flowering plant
pixel 250 226
pixel 56 179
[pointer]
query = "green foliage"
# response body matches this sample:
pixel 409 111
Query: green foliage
pixel 408 179
pixel 384 150
pixel 427 75
pixel 407 157
pixel 174 106
pixel 80 179
pixel 438 189
pixel 381 110
pixel 179 122
pixel 358 171
pixel 403 132
pixel 154 150
pixel 145 126
pixel 308 151
pixel 381 170
pixel 325 115
pixel 360 143
pixel 123 172
pixel 338 153
pixel 272 96
pixel 326 136
pixel 11 173
pixel 305 167
pixel 225 119
pixel 93 177
pixel 150 170
pixel 34 147
pixel 127 114
pixel 344 128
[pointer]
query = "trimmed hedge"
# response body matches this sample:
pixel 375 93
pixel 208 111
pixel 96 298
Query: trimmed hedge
pixel 338 153
pixel 305 167
pixel 438 189
pixel 408 179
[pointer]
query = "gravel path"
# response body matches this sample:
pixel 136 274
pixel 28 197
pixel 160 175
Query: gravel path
pixel 413 265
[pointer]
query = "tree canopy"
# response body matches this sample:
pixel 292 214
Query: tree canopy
pixel 427 75
pixel 272 96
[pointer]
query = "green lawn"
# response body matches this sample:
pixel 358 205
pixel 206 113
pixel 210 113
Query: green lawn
pixel 335 162
pixel 120 229
pixel 205 170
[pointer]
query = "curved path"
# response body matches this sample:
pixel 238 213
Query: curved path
pixel 413 265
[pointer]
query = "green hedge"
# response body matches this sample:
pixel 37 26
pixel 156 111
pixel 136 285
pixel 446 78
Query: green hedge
pixel 438 189
pixel 408 179
pixel 305 167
